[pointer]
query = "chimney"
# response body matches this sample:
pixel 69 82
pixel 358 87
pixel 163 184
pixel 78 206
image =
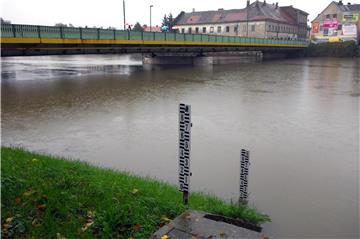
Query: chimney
pixel 247 3
pixel 193 10
pixel 349 4
pixel 221 9
pixel 340 3
pixel 276 5
pixel 264 2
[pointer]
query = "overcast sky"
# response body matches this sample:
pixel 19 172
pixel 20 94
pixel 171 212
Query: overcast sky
pixel 107 13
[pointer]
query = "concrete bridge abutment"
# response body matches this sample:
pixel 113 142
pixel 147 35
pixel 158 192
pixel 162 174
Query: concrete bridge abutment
pixel 211 58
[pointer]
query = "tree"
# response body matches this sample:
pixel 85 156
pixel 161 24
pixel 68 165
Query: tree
pixel 167 23
pixel 138 27
pixel 3 21
pixel 63 25
pixel 60 25
pixel 171 19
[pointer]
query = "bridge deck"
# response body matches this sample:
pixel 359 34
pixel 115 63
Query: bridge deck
pixel 28 37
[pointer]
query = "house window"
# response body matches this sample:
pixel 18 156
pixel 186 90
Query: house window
pixel 235 28
pixel 334 15
pixel 326 31
pixel 204 29
pixel 196 30
pixel 252 28
pixel 189 30
pixel 182 30
pixel 211 29
pixel 219 29
pixel 227 29
pixel 328 16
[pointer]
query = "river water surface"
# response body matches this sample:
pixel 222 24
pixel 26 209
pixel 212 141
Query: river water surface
pixel 299 118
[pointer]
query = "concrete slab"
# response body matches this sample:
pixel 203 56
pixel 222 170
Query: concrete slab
pixel 193 224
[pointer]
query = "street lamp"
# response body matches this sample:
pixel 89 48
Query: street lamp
pixel 124 14
pixel 247 21
pixel 150 15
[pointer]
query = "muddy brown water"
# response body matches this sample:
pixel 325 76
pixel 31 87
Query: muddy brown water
pixel 299 118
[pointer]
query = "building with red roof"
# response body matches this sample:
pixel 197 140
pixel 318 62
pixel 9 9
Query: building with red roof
pixel 258 19
pixel 153 28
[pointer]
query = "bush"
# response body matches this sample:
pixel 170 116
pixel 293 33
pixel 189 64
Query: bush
pixel 338 49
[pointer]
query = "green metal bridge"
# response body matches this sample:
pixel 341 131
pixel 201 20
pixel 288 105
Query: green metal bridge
pixel 49 40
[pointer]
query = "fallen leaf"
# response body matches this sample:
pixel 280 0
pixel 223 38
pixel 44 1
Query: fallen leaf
pixel 86 226
pixel 165 219
pixel 35 222
pixel 137 227
pixel 223 234
pixel 18 200
pixel 41 207
pixel 9 219
pixel 59 236
pixel 165 237
pixel 89 220
pixel 135 191
pixel 28 193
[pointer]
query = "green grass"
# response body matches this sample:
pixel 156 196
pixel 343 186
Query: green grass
pixel 48 197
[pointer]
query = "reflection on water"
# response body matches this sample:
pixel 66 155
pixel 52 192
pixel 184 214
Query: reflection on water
pixel 299 118
pixel 44 67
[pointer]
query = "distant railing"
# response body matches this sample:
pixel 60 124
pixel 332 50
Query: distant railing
pixel 31 31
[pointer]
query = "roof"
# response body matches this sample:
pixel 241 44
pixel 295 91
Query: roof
pixel 354 7
pixel 347 7
pixel 257 11
pixel 153 28
pixel 342 7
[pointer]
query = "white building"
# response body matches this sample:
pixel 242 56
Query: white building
pixel 258 19
pixel 337 22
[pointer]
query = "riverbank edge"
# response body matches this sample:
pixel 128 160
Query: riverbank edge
pixel 336 49
pixel 48 196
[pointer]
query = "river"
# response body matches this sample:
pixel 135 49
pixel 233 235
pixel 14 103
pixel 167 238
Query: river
pixel 299 118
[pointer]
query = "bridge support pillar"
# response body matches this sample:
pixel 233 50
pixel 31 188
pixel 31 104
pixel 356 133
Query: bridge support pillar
pixel 259 56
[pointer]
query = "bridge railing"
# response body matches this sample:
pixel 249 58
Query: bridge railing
pixel 31 31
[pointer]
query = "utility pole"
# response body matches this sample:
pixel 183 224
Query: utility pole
pixel 124 14
pixel 247 18
pixel 150 15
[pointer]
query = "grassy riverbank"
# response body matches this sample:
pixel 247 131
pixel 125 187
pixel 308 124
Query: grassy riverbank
pixel 338 49
pixel 49 197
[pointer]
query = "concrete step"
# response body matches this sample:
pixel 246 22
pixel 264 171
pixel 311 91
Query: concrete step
pixel 193 224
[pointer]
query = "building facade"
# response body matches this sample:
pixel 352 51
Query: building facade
pixel 258 19
pixel 337 22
